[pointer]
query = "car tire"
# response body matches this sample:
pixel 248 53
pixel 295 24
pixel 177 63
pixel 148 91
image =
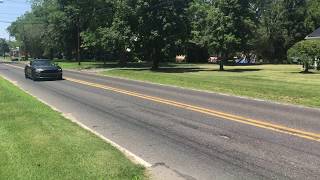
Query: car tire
pixel 33 77
pixel 26 75
pixel 60 77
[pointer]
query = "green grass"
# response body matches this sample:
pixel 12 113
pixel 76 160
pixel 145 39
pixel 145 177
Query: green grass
pixel 84 65
pixel 4 59
pixel 108 65
pixel 282 83
pixel 38 143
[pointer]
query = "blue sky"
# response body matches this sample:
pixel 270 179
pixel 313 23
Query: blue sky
pixel 9 11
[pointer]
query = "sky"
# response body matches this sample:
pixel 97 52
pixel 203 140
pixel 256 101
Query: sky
pixel 10 10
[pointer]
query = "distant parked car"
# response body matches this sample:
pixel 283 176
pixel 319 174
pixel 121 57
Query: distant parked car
pixel 42 69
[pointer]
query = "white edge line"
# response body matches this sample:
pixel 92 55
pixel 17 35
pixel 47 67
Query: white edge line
pixel 134 158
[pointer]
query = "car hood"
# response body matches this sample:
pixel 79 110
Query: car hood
pixel 47 67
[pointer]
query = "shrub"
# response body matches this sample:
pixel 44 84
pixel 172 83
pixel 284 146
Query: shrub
pixel 305 52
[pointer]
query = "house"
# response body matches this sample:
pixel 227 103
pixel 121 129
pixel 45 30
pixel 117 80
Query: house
pixel 314 35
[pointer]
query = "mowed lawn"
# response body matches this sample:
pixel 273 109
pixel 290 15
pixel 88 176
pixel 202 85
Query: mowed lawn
pixel 38 143
pixel 95 65
pixel 83 65
pixel 282 83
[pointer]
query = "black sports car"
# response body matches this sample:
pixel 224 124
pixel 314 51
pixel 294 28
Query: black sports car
pixel 42 69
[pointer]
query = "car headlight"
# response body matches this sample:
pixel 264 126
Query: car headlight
pixel 39 70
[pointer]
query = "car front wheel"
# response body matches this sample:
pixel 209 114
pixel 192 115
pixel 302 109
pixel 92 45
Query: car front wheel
pixel 33 77
pixel 60 77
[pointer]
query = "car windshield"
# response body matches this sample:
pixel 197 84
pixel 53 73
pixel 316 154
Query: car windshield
pixel 42 63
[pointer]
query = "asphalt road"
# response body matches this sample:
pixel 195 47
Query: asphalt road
pixel 190 134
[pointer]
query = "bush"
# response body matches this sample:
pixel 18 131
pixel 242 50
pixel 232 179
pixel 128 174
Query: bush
pixel 305 52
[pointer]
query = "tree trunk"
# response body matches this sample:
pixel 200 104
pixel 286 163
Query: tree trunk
pixel 306 67
pixel 26 56
pixel 221 65
pixel 221 62
pixel 155 65
pixel 51 54
pixel 123 59
pixel 155 59
pixel 104 59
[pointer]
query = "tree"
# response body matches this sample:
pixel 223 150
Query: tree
pixel 116 36
pixel 281 24
pixel 312 19
pixel 29 31
pixel 306 52
pixel 229 27
pixel 4 47
pixel 163 26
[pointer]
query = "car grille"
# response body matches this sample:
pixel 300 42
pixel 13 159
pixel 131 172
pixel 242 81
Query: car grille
pixel 49 71
pixel 48 75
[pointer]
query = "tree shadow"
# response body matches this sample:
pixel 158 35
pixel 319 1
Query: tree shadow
pixel 181 70
pixel 164 67
pixel 170 69
pixel 241 70
pixel 189 70
pixel 117 65
pixel 306 73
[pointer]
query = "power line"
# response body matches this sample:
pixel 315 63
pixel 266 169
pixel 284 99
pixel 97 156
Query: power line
pixel 9 22
pixel 1 21
pixel 9 14
pixel 13 1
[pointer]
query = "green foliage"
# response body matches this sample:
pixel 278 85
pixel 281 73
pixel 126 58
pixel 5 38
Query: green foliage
pixel 307 52
pixel 282 24
pixel 312 20
pixel 223 26
pixel 163 28
pixel 155 30
pixel 4 46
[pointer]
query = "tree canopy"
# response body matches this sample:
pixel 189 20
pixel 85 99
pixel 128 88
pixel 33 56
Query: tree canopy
pixel 4 46
pixel 157 30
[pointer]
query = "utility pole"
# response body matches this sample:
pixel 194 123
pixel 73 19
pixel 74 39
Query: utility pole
pixel 78 35
pixel 78 43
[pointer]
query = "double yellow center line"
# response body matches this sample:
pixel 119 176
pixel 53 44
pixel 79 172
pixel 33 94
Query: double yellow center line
pixel 211 112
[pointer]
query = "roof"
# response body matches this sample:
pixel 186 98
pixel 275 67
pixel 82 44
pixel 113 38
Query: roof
pixel 314 35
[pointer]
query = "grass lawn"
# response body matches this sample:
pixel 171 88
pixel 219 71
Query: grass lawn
pixel 108 65
pixel 5 59
pixel 282 83
pixel 84 65
pixel 38 143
